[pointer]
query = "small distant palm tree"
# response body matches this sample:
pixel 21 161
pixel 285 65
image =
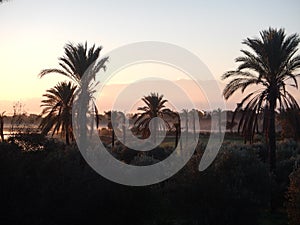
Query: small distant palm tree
pixel 193 113
pixel 177 127
pixel 185 113
pixel 218 114
pixel 122 117
pixel 111 115
pixel 271 67
pixel 58 110
pixel 2 126
pixel 155 107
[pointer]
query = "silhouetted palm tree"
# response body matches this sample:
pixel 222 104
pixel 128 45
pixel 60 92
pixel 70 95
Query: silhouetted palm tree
pixel 155 107
pixel 271 66
pixel 185 113
pixel 111 115
pixel 218 114
pixel 77 59
pixel 193 113
pixel 2 126
pixel 177 127
pixel 58 110
pixel 74 65
pixel 122 117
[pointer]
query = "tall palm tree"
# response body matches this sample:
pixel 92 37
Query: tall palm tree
pixel 58 110
pixel 271 67
pixel 74 64
pixel 155 107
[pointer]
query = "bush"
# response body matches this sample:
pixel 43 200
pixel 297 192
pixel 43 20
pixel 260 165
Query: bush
pixel 293 198
pixel 233 190
pixel 34 142
pixel 56 186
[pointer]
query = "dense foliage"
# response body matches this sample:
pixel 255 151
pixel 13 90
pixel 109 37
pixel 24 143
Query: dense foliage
pixel 293 205
pixel 54 185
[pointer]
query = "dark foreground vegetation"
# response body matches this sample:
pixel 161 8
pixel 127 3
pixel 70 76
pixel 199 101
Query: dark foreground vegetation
pixel 52 185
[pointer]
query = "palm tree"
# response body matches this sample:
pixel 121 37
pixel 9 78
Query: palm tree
pixel 74 65
pixel 218 114
pixel 193 113
pixel 271 67
pixel 122 117
pixel 177 127
pixel 186 116
pixel 111 115
pixel 58 110
pixel 155 107
pixel 2 126
pixel 76 61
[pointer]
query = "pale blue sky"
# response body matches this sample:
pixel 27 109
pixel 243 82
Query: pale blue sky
pixel 33 33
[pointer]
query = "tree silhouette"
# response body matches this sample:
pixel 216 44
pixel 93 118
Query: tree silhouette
pixel 185 113
pixel 111 115
pixel 78 61
pixel 58 110
pixel 2 126
pixel 155 107
pixel 271 67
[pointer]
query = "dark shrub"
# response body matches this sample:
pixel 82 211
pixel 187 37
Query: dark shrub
pixel 232 190
pixel 293 198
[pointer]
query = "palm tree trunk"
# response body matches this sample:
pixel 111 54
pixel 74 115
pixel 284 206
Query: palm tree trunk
pixel 186 129
pixel 194 126
pixel 177 127
pixel 272 137
pixel 155 131
pixel 113 139
pixel 1 128
pixel 124 128
pixel 272 147
pixel 124 134
pixel 67 135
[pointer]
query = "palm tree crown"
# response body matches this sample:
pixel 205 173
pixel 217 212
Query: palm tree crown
pixel 271 66
pixel 58 110
pixel 155 107
pixel 77 59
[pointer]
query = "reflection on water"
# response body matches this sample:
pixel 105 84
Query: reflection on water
pixel 7 132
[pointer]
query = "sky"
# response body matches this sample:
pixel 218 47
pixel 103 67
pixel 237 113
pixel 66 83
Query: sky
pixel 33 34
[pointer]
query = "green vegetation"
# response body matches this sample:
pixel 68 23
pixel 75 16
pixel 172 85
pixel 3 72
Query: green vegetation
pixel 54 185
